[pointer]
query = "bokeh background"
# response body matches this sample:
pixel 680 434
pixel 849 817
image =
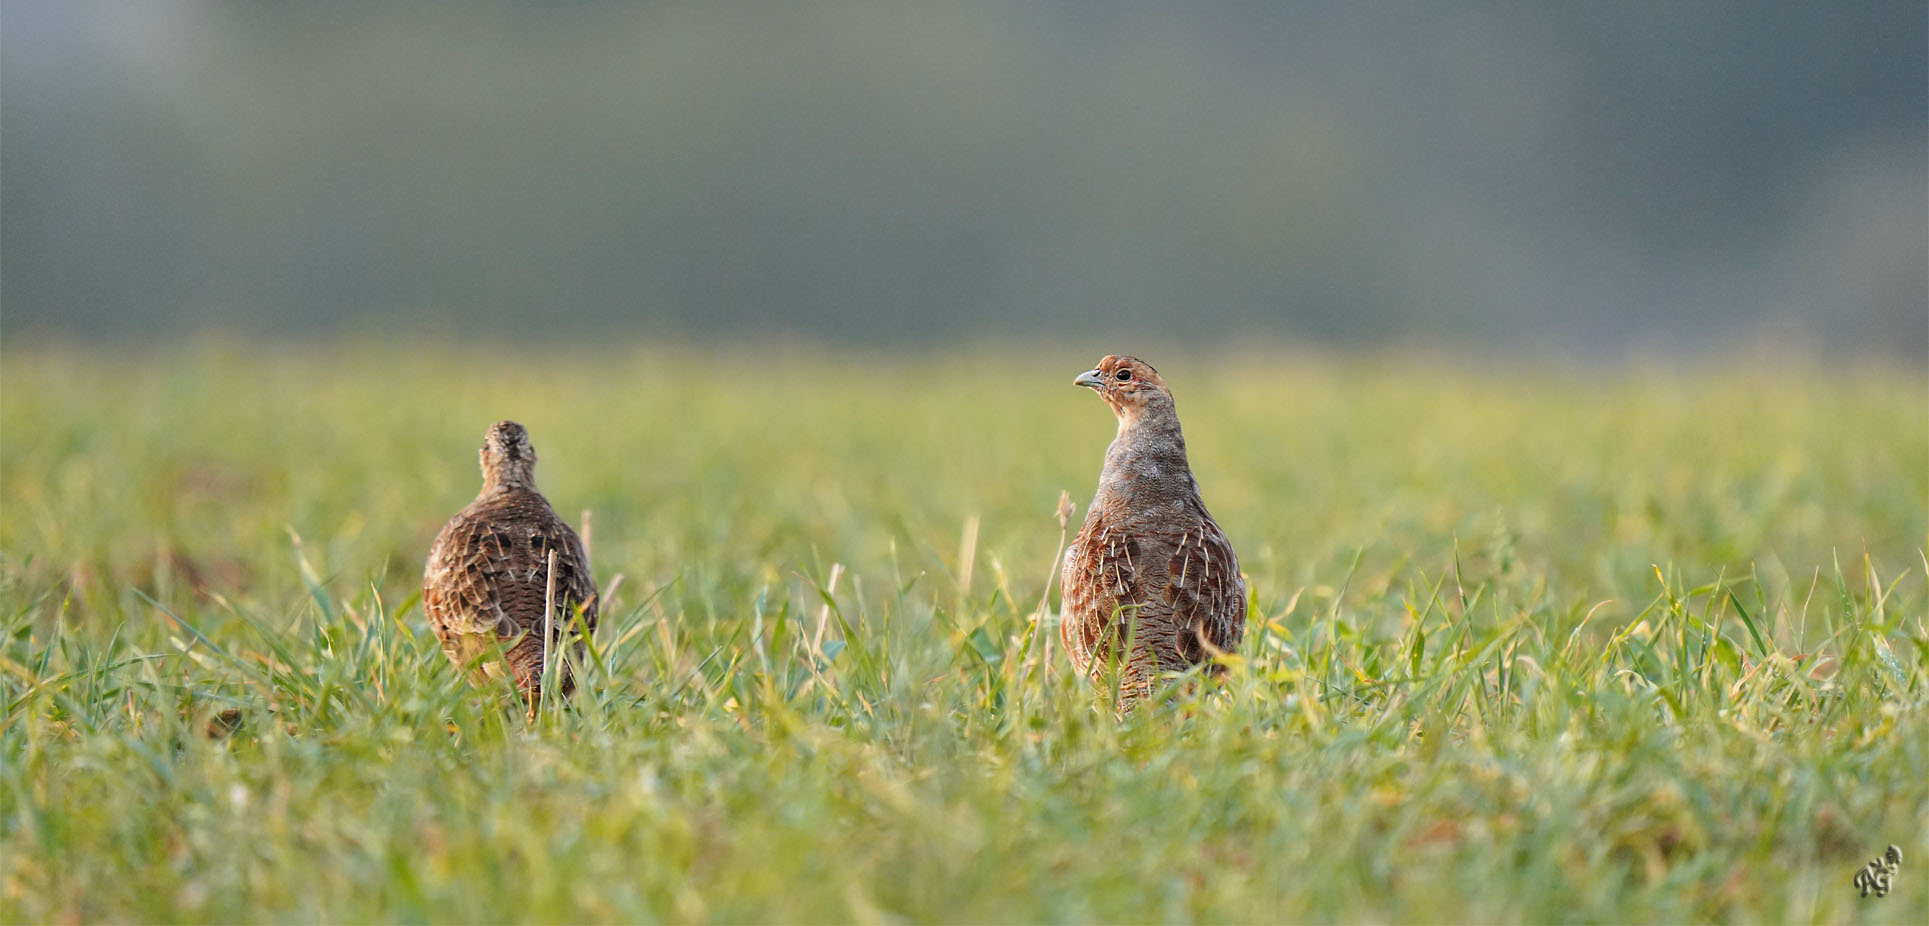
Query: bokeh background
pixel 1567 179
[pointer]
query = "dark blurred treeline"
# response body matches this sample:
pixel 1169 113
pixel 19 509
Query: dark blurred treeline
pixel 1589 177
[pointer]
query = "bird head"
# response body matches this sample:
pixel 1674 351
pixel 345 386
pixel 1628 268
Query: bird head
pixel 1127 384
pixel 508 458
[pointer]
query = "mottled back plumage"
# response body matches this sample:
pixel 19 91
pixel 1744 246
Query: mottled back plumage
pixel 488 572
pixel 1149 563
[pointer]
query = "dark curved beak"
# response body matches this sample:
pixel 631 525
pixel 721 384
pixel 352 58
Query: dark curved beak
pixel 1092 378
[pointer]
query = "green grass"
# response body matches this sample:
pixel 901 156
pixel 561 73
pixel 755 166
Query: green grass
pixel 1624 645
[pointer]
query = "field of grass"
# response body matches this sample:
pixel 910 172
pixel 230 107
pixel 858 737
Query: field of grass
pixel 1525 645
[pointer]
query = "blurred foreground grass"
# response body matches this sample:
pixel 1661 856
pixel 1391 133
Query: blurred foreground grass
pixel 1525 646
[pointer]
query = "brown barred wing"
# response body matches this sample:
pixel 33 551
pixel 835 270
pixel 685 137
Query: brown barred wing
pixel 1204 595
pixel 488 578
pixel 1103 588
pixel 575 582
pixel 461 586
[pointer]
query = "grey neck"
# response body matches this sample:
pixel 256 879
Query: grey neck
pixel 1147 460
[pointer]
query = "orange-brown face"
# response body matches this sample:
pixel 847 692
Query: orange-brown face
pixel 1125 383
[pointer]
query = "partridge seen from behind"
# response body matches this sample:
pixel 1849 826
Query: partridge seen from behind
pixel 1149 564
pixel 487 577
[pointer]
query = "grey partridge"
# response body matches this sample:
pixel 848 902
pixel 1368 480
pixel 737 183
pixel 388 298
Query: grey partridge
pixel 1149 565
pixel 487 579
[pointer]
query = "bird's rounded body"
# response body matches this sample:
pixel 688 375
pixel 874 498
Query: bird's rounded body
pixel 487 582
pixel 1149 565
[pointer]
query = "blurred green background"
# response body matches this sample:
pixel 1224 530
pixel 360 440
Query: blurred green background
pixel 1592 179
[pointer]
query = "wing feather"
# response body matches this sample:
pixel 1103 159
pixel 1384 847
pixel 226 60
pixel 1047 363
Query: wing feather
pixel 487 574
pixel 1204 596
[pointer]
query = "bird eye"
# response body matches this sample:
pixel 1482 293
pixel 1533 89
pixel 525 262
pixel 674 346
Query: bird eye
pixel 1124 376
